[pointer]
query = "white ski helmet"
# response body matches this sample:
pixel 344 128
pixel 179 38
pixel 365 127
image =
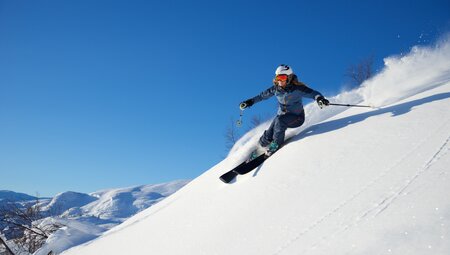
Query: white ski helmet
pixel 284 69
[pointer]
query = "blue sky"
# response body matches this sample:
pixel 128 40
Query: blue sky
pixel 102 94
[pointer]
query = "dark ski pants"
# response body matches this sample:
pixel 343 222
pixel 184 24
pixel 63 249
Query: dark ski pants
pixel 278 128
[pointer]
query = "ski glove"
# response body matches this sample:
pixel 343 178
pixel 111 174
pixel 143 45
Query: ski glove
pixel 322 101
pixel 246 104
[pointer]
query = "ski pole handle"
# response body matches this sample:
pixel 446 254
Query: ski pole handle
pixel 242 106
pixel 321 105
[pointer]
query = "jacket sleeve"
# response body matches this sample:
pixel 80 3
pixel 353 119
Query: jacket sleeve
pixel 266 94
pixel 306 91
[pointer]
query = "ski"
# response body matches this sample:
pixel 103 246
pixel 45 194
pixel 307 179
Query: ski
pixel 243 168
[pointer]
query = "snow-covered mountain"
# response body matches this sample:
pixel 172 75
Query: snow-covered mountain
pixel 86 216
pixel 11 196
pixel 67 200
pixel 350 181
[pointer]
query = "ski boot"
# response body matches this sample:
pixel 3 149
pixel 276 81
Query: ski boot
pixel 272 148
pixel 256 153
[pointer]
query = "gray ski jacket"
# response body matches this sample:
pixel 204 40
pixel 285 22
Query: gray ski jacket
pixel 290 97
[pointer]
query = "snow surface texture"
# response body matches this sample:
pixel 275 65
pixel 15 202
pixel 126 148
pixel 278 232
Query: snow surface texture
pixel 87 216
pixel 350 181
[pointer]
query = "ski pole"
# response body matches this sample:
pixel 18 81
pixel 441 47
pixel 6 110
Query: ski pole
pixel 239 121
pixel 241 107
pixel 351 105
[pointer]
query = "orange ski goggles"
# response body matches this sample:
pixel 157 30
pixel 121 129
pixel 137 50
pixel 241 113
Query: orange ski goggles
pixel 281 77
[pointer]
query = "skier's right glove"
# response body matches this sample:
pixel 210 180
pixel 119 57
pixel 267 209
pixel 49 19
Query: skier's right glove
pixel 246 104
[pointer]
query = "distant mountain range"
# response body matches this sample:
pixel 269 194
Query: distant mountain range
pixel 7 195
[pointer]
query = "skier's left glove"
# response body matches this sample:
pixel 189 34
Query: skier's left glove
pixel 246 104
pixel 322 101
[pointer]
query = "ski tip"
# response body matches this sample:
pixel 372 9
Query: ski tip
pixel 228 176
pixel 224 180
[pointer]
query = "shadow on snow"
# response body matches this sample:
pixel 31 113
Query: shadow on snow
pixel 395 110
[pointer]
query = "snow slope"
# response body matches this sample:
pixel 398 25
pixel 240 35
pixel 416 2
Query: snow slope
pixel 86 216
pixel 348 182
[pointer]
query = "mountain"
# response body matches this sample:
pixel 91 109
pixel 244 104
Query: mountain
pixel 350 181
pixel 86 216
pixel 67 200
pixel 11 196
pixel 122 203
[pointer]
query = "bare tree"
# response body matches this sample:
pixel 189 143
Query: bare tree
pixel 259 119
pixel 231 135
pixel 256 121
pixel 360 72
pixel 24 225
pixel 8 250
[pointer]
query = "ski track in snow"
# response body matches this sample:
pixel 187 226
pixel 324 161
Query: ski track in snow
pixel 387 201
pixel 380 206
pixel 441 152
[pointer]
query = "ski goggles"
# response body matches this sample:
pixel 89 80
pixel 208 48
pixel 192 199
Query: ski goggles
pixel 281 77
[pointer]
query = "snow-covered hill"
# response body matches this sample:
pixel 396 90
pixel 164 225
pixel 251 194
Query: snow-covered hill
pixel 86 216
pixel 111 204
pixel 348 182
pixel 11 196
pixel 67 200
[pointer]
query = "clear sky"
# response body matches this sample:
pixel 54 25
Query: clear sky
pixel 103 94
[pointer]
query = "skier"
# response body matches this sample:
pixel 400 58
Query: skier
pixel 289 92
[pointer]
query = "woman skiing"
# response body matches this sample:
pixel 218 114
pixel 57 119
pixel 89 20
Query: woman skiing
pixel 289 92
